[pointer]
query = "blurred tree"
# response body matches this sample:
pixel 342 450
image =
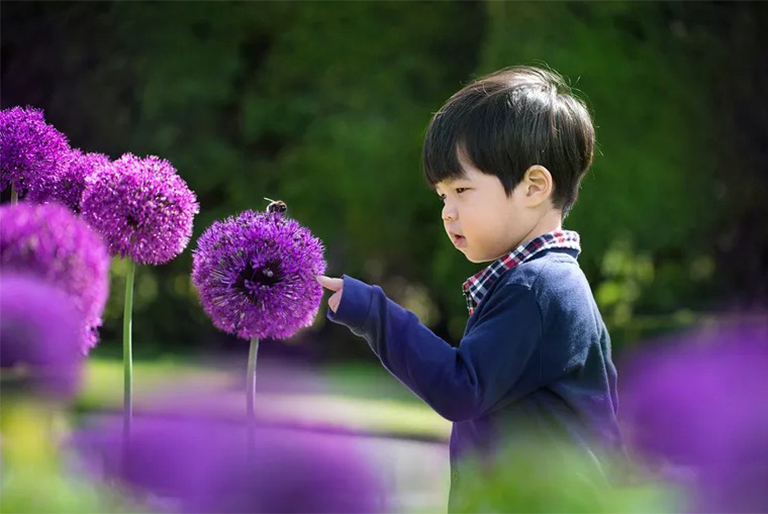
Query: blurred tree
pixel 738 37
pixel 324 105
pixel 257 99
pixel 651 184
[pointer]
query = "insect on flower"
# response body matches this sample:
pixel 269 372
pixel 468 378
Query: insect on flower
pixel 278 206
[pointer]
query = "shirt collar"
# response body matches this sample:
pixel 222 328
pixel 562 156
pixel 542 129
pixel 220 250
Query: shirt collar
pixel 477 286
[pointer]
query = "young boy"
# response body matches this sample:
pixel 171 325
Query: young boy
pixel 506 154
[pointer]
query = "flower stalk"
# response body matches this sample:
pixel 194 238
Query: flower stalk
pixel 128 353
pixel 250 396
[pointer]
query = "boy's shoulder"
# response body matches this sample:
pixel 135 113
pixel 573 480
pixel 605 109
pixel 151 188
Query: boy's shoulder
pixel 552 281
pixel 550 269
pixel 556 281
pixel 559 287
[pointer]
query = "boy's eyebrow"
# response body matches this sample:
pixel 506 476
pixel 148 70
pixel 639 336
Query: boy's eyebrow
pixel 448 181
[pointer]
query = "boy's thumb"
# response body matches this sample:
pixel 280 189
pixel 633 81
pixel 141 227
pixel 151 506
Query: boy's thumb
pixel 334 284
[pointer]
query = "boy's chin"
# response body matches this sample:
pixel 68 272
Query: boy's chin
pixel 476 259
pixel 480 259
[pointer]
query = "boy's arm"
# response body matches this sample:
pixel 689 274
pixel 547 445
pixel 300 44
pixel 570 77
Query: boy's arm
pixel 496 363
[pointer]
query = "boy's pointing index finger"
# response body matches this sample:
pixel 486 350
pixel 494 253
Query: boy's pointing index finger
pixel 333 284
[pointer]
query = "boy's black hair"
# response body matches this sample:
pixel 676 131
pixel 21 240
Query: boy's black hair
pixel 508 121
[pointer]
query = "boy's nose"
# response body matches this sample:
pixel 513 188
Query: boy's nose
pixel 449 214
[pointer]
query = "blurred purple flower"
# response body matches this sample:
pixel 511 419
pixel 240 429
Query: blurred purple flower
pixel 39 337
pixel 31 151
pixel 142 207
pixel 68 186
pixel 697 407
pixel 51 242
pixel 195 464
pixel 256 275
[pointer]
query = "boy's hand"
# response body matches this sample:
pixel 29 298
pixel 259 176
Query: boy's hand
pixel 332 284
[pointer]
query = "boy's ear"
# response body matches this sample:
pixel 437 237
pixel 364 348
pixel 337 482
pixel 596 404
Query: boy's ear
pixel 538 185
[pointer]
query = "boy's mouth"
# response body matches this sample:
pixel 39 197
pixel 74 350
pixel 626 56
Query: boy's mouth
pixel 458 240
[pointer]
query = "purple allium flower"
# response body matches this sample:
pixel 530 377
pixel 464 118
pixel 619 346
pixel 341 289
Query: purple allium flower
pixel 53 243
pixel 697 408
pixel 255 274
pixel 39 337
pixel 142 207
pixel 196 464
pixel 68 186
pixel 31 151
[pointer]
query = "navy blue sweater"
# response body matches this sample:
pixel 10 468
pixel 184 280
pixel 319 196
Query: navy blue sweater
pixel 535 354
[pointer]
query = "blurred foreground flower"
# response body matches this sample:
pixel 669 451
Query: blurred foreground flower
pixel 696 409
pixel 41 361
pixel 31 151
pixel 68 185
pixel 256 275
pixel 194 464
pixel 39 338
pixel 52 243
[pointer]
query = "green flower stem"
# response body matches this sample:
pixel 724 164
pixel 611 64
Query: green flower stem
pixel 14 195
pixel 251 396
pixel 128 354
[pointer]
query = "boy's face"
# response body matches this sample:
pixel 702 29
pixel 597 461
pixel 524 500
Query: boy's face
pixel 480 219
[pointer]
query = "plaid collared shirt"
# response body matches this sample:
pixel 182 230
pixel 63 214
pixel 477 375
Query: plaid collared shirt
pixel 478 285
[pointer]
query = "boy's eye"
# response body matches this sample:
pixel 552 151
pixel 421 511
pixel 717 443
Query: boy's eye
pixel 458 190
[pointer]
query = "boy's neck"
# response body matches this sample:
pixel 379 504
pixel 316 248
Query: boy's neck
pixel 551 221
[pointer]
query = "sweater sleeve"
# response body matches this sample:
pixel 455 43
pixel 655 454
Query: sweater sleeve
pixel 497 361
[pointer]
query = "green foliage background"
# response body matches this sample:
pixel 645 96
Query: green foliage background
pixel 325 104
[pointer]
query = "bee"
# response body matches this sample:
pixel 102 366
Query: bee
pixel 278 206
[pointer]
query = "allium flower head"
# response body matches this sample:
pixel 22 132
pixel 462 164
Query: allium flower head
pixel 31 151
pixel 51 242
pixel 256 275
pixel 142 208
pixel 39 336
pixel 67 187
